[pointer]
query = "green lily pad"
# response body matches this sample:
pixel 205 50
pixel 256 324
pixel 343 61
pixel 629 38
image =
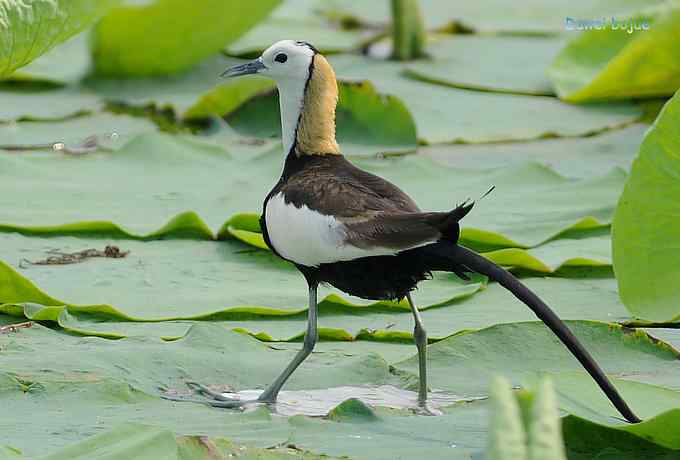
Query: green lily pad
pixel 571 299
pixel 527 16
pixel 88 385
pixel 118 382
pixel 174 193
pixel 111 131
pixel 233 361
pixel 586 440
pixel 616 64
pixel 7 320
pixel 388 437
pixel 150 442
pixel 30 29
pixel 573 157
pixel 296 19
pixel 245 227
pixel 671 336
pixel 443 114
pixel 646 228
pixel 463 361
pixel 228 97
pixel 176 35
pixel 340 320
pixel 214 184
pixel 547 258
pixel 217 279
pixel 366 121
pixel 46 105
pixel 179 91
pixel 326 37
pixel 10 453
pixel 554 255
pixel 65 64
pixel 504 64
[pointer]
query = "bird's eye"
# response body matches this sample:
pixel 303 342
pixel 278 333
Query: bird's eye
pixel 281 57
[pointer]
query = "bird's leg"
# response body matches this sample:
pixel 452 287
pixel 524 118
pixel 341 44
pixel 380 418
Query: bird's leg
pixel 269 395
pixel 420 337
pixel 311 337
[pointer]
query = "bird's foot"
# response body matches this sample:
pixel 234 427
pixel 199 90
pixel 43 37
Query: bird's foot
pixel 424 408
pixel 214 399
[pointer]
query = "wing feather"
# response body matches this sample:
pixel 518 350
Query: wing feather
pixel 374 212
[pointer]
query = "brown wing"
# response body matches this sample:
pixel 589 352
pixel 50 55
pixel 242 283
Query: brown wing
pixel 395 231
pixel 375 212
pixel 333 186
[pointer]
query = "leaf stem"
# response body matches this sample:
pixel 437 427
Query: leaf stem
pixel 408 30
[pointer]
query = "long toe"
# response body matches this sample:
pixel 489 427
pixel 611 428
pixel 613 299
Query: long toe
pixel 427 409
pixel 223 404
pixel 208 393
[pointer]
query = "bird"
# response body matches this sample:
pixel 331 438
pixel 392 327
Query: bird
pixel 342 226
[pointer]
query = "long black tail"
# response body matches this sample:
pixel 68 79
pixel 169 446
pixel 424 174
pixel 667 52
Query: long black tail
pixel 475 262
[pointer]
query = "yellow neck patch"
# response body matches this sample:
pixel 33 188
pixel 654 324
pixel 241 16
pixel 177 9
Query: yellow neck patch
pixel 316 128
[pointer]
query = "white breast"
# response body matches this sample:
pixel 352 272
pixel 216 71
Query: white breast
pixel 310 238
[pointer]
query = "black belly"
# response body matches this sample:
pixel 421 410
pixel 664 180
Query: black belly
pixel 386 277
pixel 375 278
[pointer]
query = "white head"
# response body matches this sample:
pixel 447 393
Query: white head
pixel 307 94
pixel 284 60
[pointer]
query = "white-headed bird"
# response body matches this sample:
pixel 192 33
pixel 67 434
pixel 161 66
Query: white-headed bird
pixel 356 231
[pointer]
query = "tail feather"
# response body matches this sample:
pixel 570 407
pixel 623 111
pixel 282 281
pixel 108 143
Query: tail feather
pixel 447 255
pixel 461 258
pixel 449 227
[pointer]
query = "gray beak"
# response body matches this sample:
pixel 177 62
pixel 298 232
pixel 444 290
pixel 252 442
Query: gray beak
pixel 249 68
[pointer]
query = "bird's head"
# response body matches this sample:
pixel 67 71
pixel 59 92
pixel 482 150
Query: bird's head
pixel 284 60
pixel 308 93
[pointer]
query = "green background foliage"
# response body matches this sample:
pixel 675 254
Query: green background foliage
pixel 611 64
pixel 29 29
pixel 124 135
pixel 176 34
pixel 646 229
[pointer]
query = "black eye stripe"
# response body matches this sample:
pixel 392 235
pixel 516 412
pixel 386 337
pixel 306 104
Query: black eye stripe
pixel 281 57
